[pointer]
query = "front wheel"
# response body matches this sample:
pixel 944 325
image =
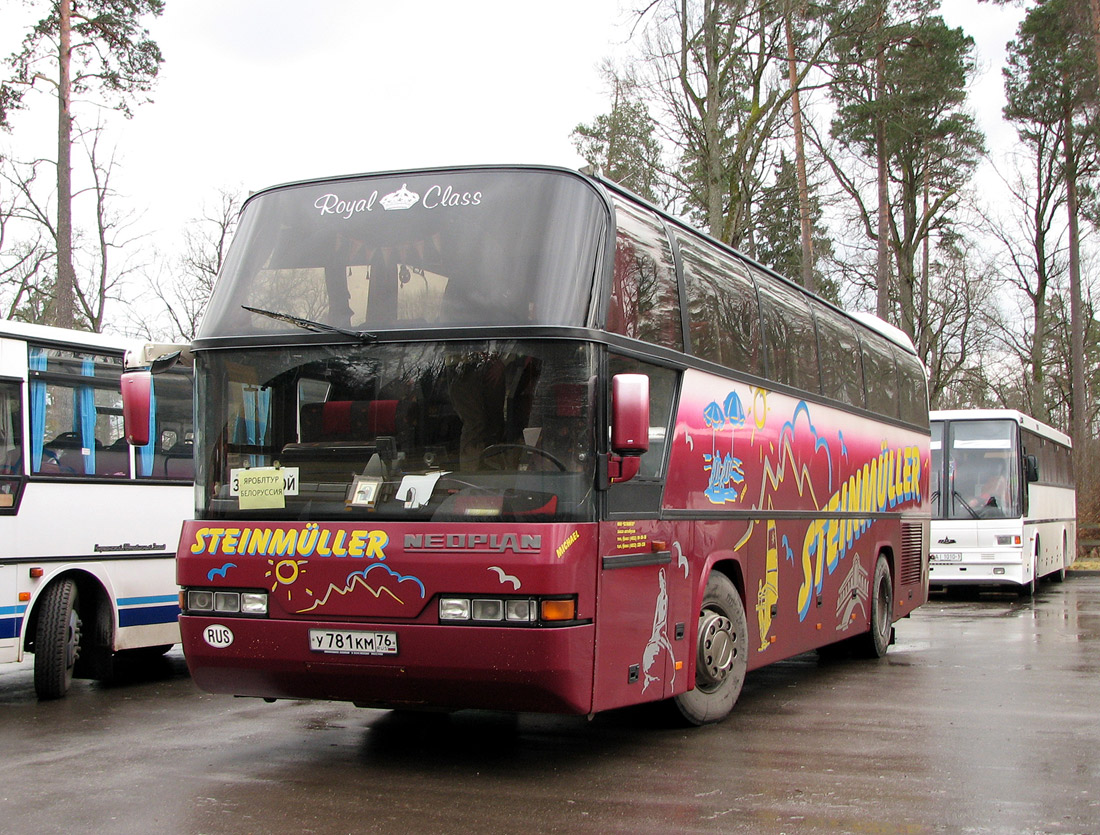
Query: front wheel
pixel 56 640
pixel 722 654
pixel 875 643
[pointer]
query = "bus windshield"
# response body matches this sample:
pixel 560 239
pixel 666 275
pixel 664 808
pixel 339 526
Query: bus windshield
pixel 477 431
pixel 424 250
pixel 983 473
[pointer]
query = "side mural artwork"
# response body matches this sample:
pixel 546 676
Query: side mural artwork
pixel 740 451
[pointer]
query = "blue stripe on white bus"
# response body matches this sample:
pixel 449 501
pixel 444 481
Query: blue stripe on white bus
pixel 145 615
pixel 129 613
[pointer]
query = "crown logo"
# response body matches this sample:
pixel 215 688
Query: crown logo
pixel 400 199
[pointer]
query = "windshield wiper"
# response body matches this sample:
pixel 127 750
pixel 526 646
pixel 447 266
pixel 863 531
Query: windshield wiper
pixel 310 325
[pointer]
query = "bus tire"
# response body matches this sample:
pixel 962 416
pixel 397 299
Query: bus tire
pixel 56 640
pixel 877 640
pixel 722 654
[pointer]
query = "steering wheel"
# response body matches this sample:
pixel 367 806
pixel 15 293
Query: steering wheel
pixel 496 450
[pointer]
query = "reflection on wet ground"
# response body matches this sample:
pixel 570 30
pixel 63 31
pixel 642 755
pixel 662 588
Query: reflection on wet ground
pixel 981 719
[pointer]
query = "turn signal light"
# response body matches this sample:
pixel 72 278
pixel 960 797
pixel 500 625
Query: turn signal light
pixel 559 609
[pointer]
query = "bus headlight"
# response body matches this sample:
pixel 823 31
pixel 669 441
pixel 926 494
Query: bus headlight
pixel 219 602
pixel 253 603
pixel 200 601
pixel 508 611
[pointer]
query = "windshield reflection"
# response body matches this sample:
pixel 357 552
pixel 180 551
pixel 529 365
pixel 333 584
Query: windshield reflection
pixel 477 430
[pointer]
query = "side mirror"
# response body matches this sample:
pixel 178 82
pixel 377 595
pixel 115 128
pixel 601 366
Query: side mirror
pixel 137 388
pixel 629 414
pixel 1031 468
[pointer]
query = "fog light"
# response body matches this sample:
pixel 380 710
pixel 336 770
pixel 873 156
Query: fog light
pixel 998 571
pixel 454 608
pixel 200 601
pixel 488 610
pixel 227 601
pixel 253 603
pixel 522 611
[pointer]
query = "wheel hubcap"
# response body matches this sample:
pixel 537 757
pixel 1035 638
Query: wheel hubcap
pixel 717 648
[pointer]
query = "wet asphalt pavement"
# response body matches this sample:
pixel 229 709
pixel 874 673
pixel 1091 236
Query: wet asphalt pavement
pixel 983 718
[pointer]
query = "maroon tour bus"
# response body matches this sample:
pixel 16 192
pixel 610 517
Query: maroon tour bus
pixel 510 438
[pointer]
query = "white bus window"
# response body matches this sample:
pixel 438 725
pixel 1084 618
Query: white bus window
pixel 11 445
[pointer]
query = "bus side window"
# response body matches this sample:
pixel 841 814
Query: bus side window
pixel 76 414
pixel 789 337
pixel 913 399
pixel 841 366
pixel 645 300
pixel 722 308
pixel 880 375
pixel 11 446
pixel 644 490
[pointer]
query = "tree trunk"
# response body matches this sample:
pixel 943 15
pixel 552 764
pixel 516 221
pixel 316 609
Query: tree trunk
pixel 882 274
pixel 800 166
pixel 1079 398
pixel 66 275
pixel 1094 8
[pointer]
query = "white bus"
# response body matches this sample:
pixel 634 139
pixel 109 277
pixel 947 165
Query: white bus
pixel 1004 508
pixel 88 524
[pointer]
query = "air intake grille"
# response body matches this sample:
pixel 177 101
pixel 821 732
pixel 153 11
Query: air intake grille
pixel 912 551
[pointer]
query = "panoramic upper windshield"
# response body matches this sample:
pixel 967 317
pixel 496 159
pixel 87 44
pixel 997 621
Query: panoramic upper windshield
pixel 982 475
pixel 481 431
pixel 439 249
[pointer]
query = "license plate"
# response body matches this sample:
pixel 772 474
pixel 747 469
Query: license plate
pixel 343 642
pixel 946 557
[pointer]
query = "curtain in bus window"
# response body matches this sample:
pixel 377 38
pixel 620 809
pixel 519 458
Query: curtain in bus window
pixel 722 308
pixel 257 406
pixel 37 362
pixel 645 300
pixel 789 336
pixel 84 416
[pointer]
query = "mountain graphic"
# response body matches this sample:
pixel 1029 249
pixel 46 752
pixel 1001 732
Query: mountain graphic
pixel 353 582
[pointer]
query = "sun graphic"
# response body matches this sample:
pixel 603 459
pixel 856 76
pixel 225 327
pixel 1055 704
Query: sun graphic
pixel 286 573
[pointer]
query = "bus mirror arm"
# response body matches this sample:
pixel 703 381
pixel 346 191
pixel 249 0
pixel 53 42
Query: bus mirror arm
pixel 615 469
pixel 137 387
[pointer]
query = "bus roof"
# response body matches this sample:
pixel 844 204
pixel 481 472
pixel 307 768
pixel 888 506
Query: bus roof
pixel 1025 420
pixel 63 336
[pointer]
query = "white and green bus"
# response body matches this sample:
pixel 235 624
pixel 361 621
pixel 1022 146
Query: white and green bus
pixel 1004 509
pixel 88 524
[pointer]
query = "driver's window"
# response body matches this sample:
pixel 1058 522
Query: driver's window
pixel 643 492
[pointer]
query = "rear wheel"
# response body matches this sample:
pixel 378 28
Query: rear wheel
pixel 56 640
pixel 721 654
pixel 875 643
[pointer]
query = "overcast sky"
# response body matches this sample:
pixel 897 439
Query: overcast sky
pixel 258 92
